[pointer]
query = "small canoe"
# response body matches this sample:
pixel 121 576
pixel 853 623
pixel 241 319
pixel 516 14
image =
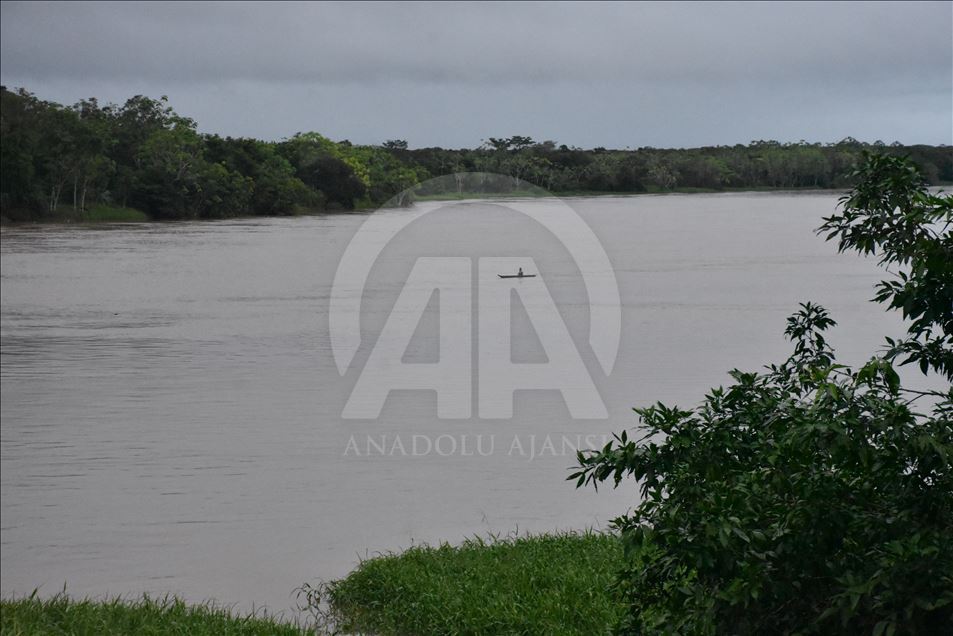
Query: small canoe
pixel 517 275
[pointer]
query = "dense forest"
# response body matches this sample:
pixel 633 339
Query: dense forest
pixel 66 162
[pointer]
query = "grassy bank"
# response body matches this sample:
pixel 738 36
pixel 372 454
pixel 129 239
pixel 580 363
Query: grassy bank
pixel 62 615
pixel 113 214
pixel 544 584
pixel 66 214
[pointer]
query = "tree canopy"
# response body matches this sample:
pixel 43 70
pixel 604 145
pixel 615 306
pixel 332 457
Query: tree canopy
pixel 144 155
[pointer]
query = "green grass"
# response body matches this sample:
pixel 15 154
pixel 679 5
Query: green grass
pixel 113 214
pixel 66 214
pixel 62 615
pixel 544 584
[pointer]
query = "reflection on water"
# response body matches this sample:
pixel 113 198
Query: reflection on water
pixel 171 413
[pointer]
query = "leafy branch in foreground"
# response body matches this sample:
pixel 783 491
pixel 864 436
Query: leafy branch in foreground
pixel 811 498
pixel 892 214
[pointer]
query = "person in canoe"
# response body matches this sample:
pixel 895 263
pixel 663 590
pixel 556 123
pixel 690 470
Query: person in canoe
pixel 520 274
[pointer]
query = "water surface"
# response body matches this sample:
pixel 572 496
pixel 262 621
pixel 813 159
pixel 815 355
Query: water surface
pixel 171 412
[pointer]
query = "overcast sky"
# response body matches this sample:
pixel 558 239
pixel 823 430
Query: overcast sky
pixel 587 74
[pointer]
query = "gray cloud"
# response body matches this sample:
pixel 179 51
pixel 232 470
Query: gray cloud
pixel 451 74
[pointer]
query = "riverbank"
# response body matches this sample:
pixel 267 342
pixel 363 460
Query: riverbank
pixel 537 193
pixel 650 190
pixel 540 584
pixel 63 615
pixel 66 215
pixel 116 214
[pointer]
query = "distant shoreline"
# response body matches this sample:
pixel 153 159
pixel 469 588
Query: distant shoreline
pixel 463 196
pixel 107 215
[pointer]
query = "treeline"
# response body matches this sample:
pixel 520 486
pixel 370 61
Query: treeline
pixel 760 164
pixel 61 161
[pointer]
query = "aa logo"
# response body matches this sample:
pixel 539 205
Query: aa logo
pixel 452 278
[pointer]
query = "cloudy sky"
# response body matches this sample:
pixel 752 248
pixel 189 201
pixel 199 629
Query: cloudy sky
pixel 587 74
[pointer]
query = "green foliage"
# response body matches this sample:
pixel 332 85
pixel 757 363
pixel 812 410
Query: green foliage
pixel 143 155
pixel 547 584
pixel 892 214
pixel 62 615
pixel 170 165
pixel 810 498
pixel 335 177
pixel 100 213
pixel 275 188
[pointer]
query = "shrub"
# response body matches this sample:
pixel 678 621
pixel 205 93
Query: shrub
pixel 810 498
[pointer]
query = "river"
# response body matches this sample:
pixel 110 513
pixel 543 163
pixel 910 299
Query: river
pixel 172 411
